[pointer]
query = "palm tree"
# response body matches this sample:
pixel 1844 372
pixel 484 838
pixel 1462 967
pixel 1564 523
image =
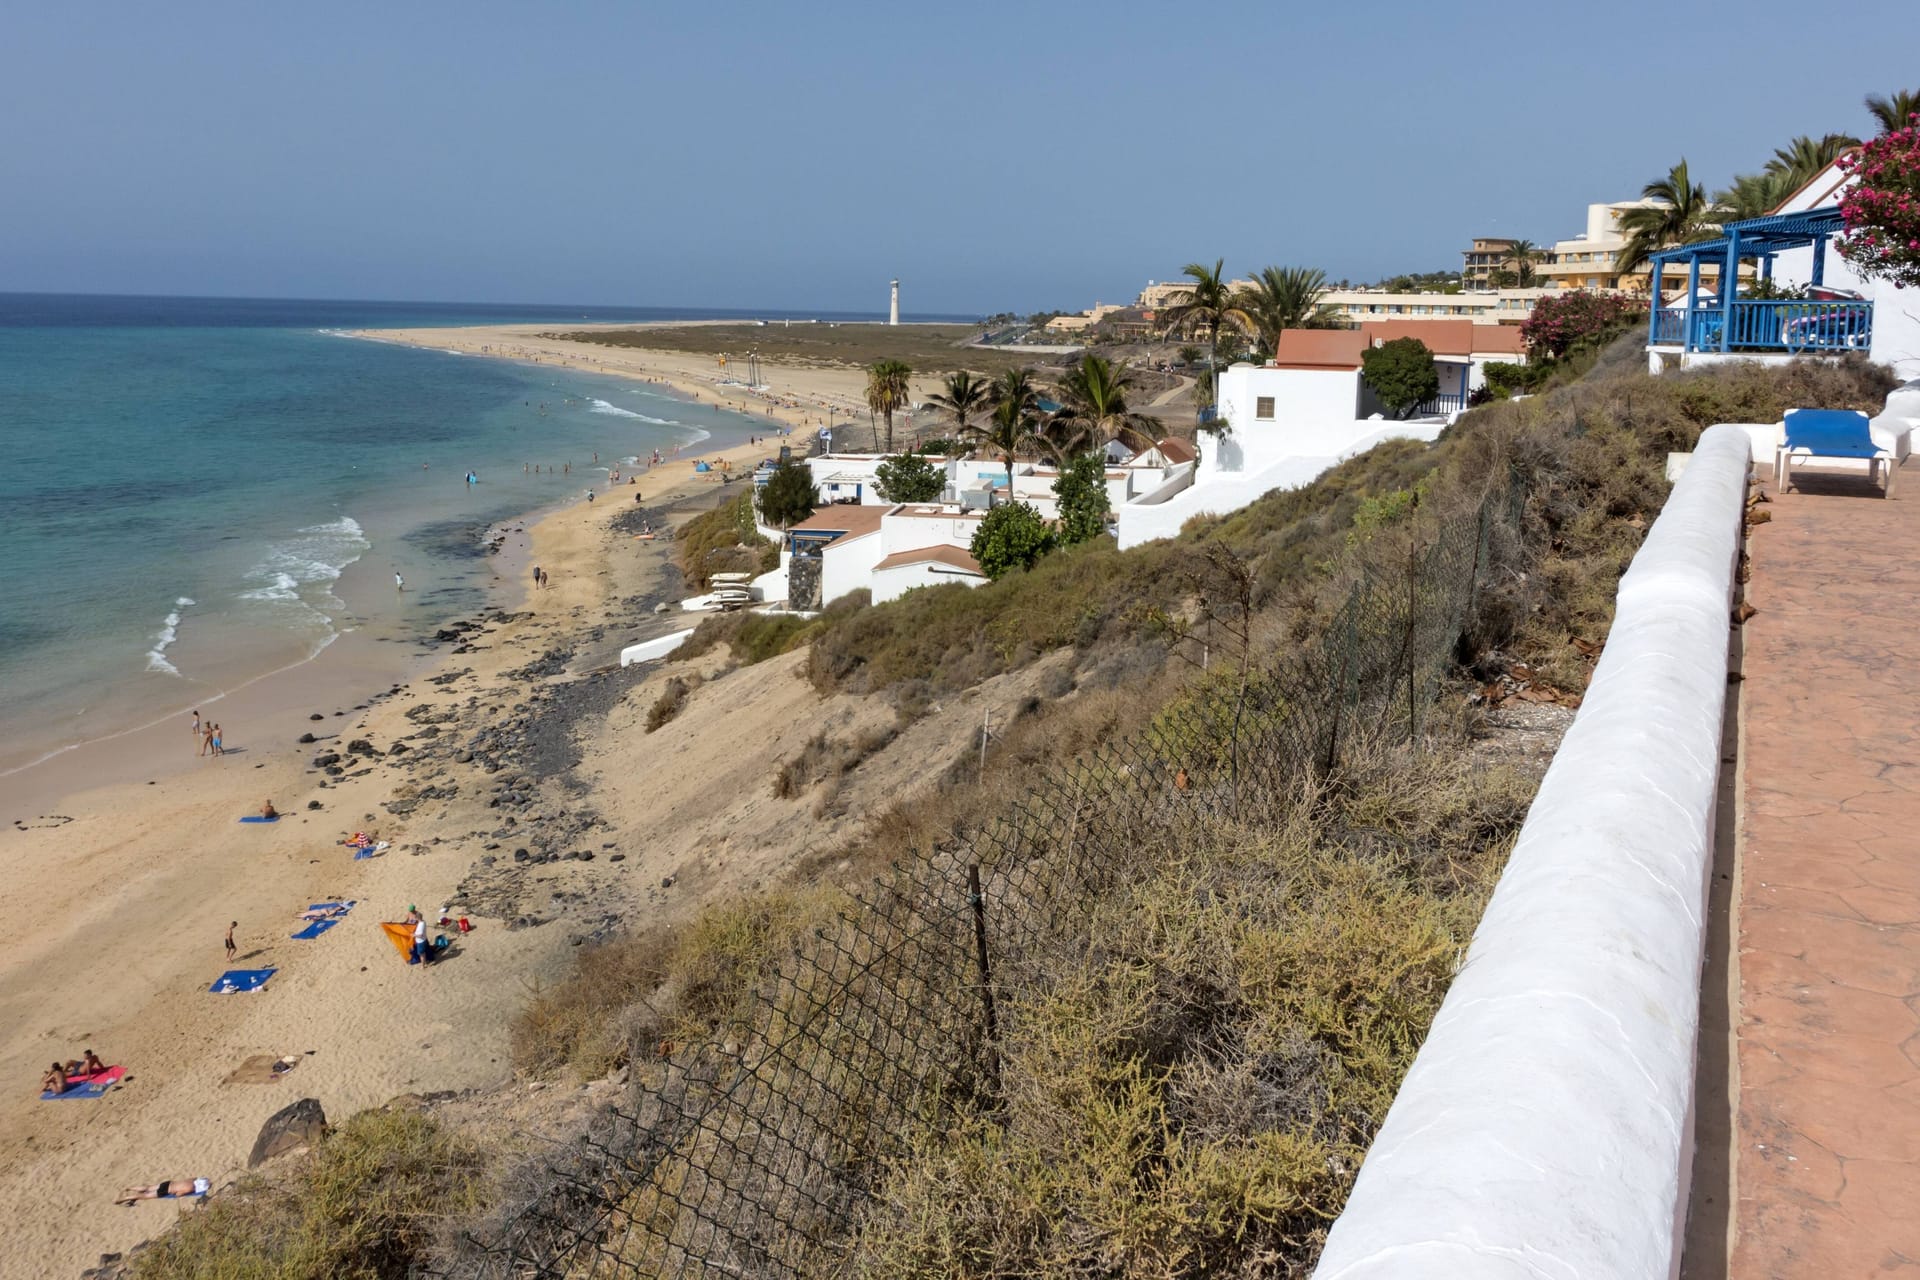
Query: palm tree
pixel 1094 409
pixel 1894 111
pixel 1209 304
pixel 1752 195
pixel 1681 213
pixel 1010 427
pixel 887 391
pixel 1798 161
pixel 1521 254
pixel 1288 298
pixel 965 398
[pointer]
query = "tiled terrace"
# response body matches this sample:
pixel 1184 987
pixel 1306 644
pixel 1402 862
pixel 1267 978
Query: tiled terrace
pixel 1826 1119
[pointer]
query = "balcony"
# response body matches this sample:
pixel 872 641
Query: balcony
pixel 1792 326
pixel 1825 321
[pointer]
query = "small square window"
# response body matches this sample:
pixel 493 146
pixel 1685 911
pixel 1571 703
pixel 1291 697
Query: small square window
pixel 1263 407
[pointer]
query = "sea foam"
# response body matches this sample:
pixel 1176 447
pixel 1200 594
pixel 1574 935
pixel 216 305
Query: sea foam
pixel 601 406
pixel 314 557
pixel 168 633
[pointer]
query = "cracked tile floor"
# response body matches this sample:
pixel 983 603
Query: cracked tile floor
pixel 1827 1123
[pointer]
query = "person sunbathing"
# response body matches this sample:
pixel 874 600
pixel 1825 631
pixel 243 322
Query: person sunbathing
pixel 268 811
pixel 90 1065
pixel 166 1189
pixel 322 913
pixel 55 1081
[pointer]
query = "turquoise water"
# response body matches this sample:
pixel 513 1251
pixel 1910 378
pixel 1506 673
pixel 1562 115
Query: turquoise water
pixel 193 488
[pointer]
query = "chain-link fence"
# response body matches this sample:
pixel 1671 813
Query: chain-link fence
pixel 756 1153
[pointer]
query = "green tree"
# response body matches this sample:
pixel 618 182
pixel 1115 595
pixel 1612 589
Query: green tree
pixel 1521 256
pixel 1800 160
pixel 1752 195
pixel 1013 424
pixel 1401 373
pixel 1680 213
pixel 1208 306
pixel 887 392
pixel 1893 112
pixel 788 497
pixel 1094 410
pixel 909 477
pixel 1288 298
pixel 1012 536
pixel 964 397
pixel 1082 491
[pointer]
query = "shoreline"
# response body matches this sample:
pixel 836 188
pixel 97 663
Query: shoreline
pixel 126 850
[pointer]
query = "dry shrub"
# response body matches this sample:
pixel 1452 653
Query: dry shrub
pixel 368 1203
pixel 825 758
pixel 673 697
pixel 1189 1087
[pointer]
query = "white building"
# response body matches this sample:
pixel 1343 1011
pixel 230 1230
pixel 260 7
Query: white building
pixel 1843 312
pixel 1307 410
pixel 887 550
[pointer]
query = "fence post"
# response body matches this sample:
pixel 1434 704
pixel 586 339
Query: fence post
pixel 977 899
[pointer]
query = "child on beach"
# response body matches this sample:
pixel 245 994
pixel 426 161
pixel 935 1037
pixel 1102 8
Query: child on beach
pixel 231 948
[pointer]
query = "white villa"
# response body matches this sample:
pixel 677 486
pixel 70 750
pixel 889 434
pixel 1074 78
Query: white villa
pixel 1794 245
pixel 1307 409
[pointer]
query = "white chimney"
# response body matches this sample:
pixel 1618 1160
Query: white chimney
pixel 893 311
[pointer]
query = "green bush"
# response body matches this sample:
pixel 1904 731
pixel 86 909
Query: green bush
pixel 1401 373
pixel 1012 536
pixel 909 477
pixel 723 540
pixel 789 496
pixel 1084 505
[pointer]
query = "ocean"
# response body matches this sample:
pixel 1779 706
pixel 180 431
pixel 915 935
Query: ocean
pixel 197 492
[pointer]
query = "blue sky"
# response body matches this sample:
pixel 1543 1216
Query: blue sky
pixel 798 155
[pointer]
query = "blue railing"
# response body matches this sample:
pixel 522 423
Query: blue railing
pixel 1772 325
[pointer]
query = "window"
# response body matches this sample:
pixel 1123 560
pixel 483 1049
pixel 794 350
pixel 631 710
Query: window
pixel 1263 407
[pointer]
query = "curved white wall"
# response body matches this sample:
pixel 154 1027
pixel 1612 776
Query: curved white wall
pixel 1545 1129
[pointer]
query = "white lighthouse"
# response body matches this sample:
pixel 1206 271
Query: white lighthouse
pixel 893 309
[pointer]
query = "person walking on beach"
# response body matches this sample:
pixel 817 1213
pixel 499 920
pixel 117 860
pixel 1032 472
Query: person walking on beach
pixel 399 583
pixel 231 948
pixel 196 726
pixel 219 747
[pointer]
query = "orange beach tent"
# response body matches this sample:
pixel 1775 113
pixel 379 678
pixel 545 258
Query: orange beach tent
pixel 400 934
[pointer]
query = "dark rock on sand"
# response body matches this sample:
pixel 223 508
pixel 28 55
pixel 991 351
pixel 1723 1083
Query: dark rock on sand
pixel 305 739
pixel 298 1127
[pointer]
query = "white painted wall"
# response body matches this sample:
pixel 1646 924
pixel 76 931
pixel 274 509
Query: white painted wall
pixel 890 584
pixel 1545 1129
pixel 1304 400
pixel 1150 520
pixel 648 650
pixel 846 565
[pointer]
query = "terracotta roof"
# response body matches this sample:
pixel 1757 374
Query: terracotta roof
pixel 1319 349
pixel 1498 339
pixel 954 556
pixel 844 518
pixel 1176 450
pixel 1443 337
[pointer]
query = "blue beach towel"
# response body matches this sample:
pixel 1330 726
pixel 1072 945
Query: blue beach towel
pixel 317 927
pixel 254 817
pixel 94 1086
pixel 241 980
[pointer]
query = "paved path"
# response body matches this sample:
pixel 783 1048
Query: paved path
pixel 1827 1128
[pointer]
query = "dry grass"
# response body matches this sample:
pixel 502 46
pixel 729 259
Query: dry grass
pixel 369 1203
pixel 723 540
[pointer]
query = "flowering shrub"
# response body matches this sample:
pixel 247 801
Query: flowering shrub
pixel 1882 207
pixel 1563 322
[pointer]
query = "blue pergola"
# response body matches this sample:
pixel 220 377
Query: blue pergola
pixel 1733 323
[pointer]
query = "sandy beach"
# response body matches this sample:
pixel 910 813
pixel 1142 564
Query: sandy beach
pixel 803 398
pixel 126 861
